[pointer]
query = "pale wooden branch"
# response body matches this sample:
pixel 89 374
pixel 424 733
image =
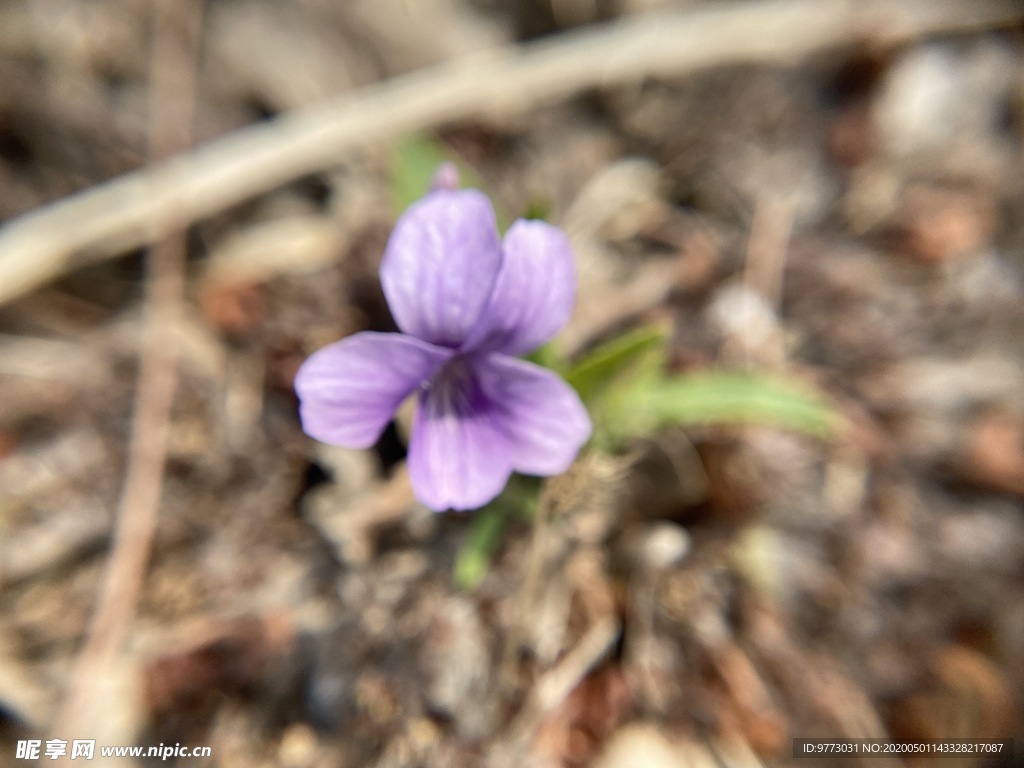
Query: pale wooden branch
pixel 121 214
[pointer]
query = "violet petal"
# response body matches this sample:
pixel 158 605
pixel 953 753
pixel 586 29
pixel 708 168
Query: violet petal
pixel 542 415
pixel 534 293
pixel 459 456
pixel 350 390
pixel 440 265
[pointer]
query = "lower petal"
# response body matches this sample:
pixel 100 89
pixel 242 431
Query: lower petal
pixel 459 456
pixel 350 390
pixel 542 415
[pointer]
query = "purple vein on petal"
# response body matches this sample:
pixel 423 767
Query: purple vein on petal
pixel 544 419
pixel 459 453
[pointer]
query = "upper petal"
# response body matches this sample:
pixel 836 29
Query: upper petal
pixel 350 390
pixel 440 265
pixel 534 293
pixel 543 416
pixel 459 455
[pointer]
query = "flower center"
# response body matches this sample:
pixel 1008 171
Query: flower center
pixel 456 388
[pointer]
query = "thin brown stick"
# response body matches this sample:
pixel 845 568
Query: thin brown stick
pixel 508 673
pixel 767 249
pixel 121 214
pixel 556 684
pixel 176 29
pixel 552 689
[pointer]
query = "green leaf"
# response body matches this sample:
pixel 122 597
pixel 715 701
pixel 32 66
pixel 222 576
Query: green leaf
pixel 548 357
pixel 519 499
pixel 594 375
pixel 538 208
pixel 416 160
pixel 624 386
pixel 474 558
pixel 720 397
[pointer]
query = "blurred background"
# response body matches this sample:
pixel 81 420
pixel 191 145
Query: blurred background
pixel 807 216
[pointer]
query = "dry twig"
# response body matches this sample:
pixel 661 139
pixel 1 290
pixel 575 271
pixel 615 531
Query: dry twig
pixel 174 64
pixel 552 689
pixel 767 249
pixel 123 214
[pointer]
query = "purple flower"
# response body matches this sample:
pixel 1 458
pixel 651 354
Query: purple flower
pixel 467 303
